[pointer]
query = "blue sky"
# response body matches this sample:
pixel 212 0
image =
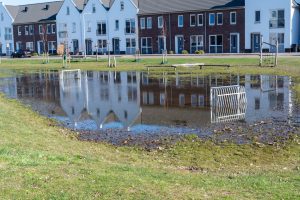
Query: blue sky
pixel 21 2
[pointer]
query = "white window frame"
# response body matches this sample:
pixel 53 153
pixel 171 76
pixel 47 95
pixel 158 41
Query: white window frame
pixel 193 15
pixel 29 46
pixel 218 18
pixel 209 15
pixel 49 27
pixel 180 25
pixel 235 21
pixel 160 22
pixel 101 23
pixel 19 30
pixel 26 30
pixel 142 23
pixel 41 29
pixel 149 19
pixel 31 29
pixel 146 47
pixel 198 47
pixel 216 45
pixel 198 21
pixel 53 26
pixel 53 45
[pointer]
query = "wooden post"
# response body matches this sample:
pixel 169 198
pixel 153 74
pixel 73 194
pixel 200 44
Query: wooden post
pixel 261 51
pixel 276 54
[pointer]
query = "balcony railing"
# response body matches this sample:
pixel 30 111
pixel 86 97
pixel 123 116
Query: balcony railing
pixel 129 30
pixel 277 23
pixel 8 37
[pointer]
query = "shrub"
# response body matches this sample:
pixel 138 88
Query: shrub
pixel 184 52
pixel 171 52
pixel 35 54
pixel 199 52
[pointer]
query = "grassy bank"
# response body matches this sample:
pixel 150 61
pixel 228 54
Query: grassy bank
pixel 42 161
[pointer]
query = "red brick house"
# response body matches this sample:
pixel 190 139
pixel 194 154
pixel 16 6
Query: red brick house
pixel 215 26
pixel 34 28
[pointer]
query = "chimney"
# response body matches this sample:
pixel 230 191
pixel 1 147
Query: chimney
pixel 25 9
pixel 46 7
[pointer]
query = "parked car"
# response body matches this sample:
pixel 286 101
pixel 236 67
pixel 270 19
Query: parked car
pixel 21 54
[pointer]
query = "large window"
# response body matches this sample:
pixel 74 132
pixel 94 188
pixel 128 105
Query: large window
pixel 52 47
pixel 192 20
pixel 180 20
pixel 130 45
pixel 277 19
pixel 216 44
pixel 102 46
pixel 142 23
pixel 196 43
pixel 29 46
pixel 101 28
pixel 130 26
pixel 233 18
pixel 149 22
pixel 212 19
pixel 146 45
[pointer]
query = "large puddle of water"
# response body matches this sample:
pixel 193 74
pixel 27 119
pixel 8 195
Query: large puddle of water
pixel 160 103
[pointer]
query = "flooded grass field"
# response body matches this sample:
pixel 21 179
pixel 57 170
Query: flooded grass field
pixel 148 108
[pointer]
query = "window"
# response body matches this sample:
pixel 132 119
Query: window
pixel 233 18
pixel 215 43
pixel 102 46
pixel 130 45
pixel 181 100
pixel 48 28
pixel 277 19
pixel 192 20
pixel 53 28
pixel 162 99
pixel 180 20
pixel 257 16
pixel 160 21
pixel 130 26
pixel 73 27
pixel 122 5
pixel 149 22
pixel 93 8
pixel 219 18
pixel 41 29
pixel 200 20
pixel 68 10
pixel 148 98
pixel 212 19
pixel 2 17
pixel 142 23
pixel 30 29
pixel 19 30
pixel 146 45
pixel 29 46
pixel 201 101
pixel 101 28
pixel 196 43
pixel 7 34
pixel 26 30
pixel 89 26
pixel 52 47
pixel 117 25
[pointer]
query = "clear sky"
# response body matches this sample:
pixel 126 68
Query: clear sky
pixel 21 2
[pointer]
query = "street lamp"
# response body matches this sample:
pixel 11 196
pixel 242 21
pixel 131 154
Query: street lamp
pixel 84 45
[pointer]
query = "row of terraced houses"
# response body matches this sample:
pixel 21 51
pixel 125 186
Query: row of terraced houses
pixel 150 26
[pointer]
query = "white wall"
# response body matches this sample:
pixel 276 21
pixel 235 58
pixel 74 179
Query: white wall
pixel 7 45
pixel 74 17
pixel 291 35
pixel 130 12
pixel 93 18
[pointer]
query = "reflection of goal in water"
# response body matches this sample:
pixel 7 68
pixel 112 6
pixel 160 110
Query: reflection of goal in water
pixel 68 77
pixel 228 103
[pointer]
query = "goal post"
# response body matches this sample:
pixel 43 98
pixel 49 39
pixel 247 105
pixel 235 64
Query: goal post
pixel 268 58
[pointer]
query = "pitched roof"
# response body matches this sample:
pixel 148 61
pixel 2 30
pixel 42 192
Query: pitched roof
pixel 13 10
pixel 80 4
pixel 111 2
pixel 32 13
pixel 168 6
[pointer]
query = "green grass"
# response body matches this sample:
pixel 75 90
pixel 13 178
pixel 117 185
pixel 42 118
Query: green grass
pixel 41 161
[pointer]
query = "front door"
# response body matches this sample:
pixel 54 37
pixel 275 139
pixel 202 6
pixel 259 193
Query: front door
pixel 255 42
pixel 161 44
pixel 234 43
pixel 75 47
pixel 179 44
pixel 1 49
pixel 89 47
pixel 116 45
pixel 40 47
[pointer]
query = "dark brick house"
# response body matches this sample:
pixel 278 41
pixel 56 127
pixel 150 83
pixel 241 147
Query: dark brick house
pixel 34 28
pixel 217 26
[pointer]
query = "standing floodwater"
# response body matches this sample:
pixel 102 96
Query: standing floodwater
pixel 152 103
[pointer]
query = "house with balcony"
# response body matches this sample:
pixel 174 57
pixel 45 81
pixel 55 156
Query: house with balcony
pixel 215 26
pixel 34 27
pixel 7 17
pixel 276 21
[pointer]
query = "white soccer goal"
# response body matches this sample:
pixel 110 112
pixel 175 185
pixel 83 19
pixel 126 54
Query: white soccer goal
pixel 228 103
pixel 269 58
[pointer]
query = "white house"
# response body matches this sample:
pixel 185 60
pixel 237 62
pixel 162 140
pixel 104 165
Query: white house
pixel 7 16
pixel 95 26
pixel 276 20
pixel 123 26
pixel 69 25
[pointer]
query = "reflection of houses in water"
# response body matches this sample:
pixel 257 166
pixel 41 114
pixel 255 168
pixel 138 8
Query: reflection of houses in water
pixel 8 86
pixel 103 95
pixel 114 94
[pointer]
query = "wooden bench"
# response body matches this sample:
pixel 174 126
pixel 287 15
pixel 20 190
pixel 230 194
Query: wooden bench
pixel 200 65
pixel 77 57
